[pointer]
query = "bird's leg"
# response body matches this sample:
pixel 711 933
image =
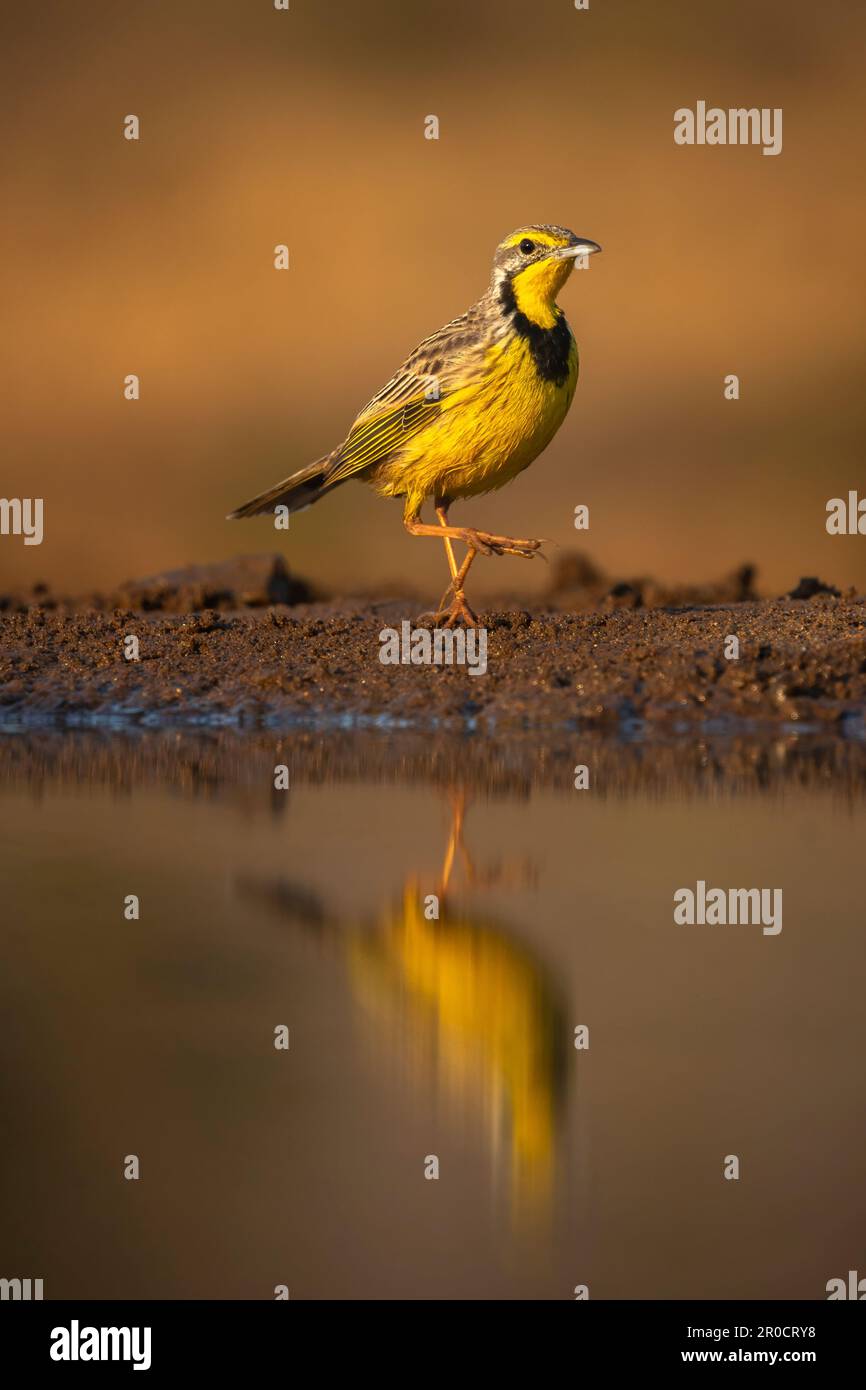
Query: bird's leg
pixel 481 541
pixel 442 513
pixel 459 608
pixel 441 509
pixel 478 542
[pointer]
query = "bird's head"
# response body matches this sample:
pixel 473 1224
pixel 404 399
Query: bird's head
pixel 532 265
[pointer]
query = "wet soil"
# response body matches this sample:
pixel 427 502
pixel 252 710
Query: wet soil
pixel 802 661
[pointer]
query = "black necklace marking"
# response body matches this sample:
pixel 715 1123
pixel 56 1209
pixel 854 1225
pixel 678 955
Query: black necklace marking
pixel 550 347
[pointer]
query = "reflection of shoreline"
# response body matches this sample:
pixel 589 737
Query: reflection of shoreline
pixel 238 767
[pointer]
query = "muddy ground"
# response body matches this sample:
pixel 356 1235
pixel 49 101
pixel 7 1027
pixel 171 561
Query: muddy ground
pixel 613 663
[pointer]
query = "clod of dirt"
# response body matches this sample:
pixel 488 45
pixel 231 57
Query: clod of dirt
pixel 247 581
pixel 809 586
pixel 578 583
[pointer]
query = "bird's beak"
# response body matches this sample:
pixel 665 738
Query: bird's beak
pixel 583 248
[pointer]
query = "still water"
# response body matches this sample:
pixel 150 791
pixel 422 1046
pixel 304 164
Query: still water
pixel 412 1037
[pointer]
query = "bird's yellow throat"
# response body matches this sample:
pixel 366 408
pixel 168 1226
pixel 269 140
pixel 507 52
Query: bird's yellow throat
pixel 536 288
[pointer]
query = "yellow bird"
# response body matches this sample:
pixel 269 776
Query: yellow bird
pixel 469 409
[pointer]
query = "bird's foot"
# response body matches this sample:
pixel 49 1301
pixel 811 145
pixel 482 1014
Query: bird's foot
pixel 460 611
pixel 448 613
pixel 486 544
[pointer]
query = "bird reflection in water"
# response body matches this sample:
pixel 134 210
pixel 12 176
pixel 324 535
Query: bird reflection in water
pixel 460 995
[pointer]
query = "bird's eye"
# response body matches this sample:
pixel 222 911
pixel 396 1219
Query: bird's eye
pixel 527 246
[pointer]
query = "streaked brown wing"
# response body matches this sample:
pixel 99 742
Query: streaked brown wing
pixel 412 399
pixel 375 436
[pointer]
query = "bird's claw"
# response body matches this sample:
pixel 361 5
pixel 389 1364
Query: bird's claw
pixel 487 544
pixel 449 614
pixel 460 611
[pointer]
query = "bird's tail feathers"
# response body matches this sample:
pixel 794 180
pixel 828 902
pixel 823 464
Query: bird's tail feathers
pixel 296 492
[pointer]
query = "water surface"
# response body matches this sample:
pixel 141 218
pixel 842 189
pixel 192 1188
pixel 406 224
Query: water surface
pixel 412 1037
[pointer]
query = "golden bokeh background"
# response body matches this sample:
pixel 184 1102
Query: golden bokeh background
pixel 307 127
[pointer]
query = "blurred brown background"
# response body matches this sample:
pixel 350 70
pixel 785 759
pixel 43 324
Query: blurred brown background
pixel 306 127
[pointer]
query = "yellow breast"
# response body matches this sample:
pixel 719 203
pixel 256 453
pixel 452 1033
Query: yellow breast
pixel 488 431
